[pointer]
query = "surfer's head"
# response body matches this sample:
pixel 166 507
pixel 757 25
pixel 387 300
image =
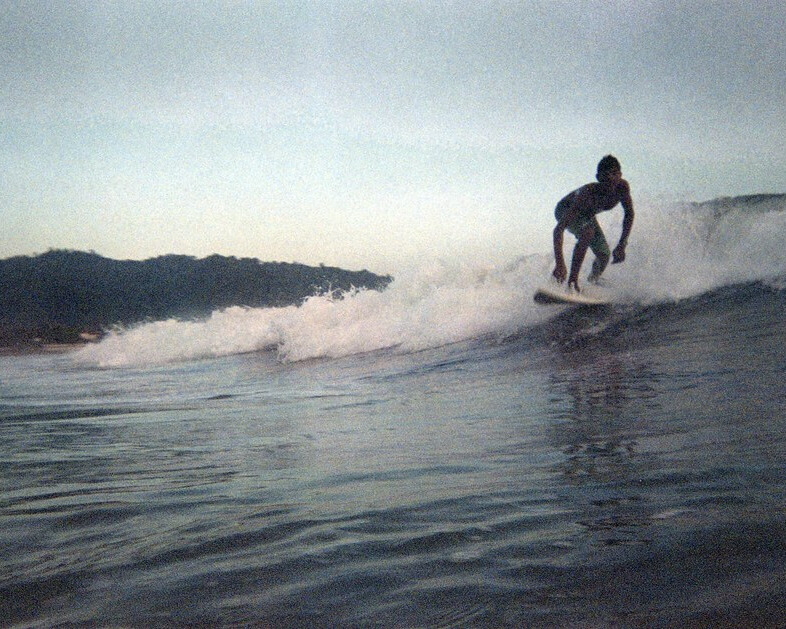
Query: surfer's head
pixel 609 164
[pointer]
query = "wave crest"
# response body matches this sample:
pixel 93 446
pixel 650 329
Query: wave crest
pixel 676 252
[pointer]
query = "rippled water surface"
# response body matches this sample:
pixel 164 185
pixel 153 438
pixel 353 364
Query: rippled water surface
pixel 622 467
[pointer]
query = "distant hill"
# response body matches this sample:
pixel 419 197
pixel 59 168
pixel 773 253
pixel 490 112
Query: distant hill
pixel 56 296
pixel 753 202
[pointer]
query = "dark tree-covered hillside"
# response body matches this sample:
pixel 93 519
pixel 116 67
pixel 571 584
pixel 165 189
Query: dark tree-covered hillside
pixel 56 295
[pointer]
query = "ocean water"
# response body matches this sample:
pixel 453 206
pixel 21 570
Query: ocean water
pixel 443 454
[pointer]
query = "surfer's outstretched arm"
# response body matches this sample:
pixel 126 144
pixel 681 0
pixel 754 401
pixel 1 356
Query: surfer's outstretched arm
pixel 627 225
pixel 560 270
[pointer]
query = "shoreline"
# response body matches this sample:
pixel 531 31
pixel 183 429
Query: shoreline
pixel 44 348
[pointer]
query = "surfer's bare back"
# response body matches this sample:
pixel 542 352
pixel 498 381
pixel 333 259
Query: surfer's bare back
pixel 576 213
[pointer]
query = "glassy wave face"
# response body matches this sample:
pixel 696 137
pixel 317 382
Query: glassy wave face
pixel 444 453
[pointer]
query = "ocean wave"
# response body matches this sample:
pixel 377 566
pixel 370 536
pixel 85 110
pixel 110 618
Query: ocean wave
pixel 677 252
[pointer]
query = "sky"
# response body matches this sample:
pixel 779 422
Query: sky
pixel 371 135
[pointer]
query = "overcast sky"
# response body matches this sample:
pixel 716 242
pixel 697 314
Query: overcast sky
pixel 371 134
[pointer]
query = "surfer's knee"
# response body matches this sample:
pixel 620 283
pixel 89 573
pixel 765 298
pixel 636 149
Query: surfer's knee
pixel 601 250
pixel 601 260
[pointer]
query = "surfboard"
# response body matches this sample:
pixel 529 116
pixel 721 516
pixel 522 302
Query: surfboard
pixel 560 295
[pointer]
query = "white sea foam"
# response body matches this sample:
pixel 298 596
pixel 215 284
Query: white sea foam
pixel 675 252
pixel 682 251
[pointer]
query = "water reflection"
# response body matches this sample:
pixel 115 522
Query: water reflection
pixel 602 405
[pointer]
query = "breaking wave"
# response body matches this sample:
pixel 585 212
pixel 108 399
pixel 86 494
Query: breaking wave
pixel 677 251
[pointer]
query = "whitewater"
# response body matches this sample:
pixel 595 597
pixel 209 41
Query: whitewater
pixel 679 251
pixel 443 453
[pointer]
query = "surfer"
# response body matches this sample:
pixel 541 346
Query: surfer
pixel 576 213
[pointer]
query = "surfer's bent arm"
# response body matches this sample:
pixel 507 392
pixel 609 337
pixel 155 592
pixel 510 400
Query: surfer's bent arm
pixel 627 224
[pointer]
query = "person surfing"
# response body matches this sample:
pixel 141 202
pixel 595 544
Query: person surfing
pixel 576 213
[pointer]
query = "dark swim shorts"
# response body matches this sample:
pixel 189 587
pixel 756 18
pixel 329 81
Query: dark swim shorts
pixel 598 244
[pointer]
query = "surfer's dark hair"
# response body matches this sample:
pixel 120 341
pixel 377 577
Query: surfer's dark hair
pixel 608 163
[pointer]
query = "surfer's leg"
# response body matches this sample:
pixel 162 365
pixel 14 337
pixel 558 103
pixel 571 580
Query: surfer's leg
pixel 580 250
pixel 602 253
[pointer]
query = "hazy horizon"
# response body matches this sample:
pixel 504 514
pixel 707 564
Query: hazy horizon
pixel 371 135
